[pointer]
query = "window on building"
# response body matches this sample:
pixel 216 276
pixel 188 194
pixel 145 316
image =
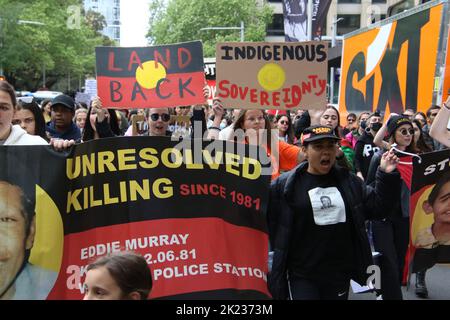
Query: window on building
pixel 116 33
pixel 378 1
pixel 276 27
pixel 350 23
pixel 116 13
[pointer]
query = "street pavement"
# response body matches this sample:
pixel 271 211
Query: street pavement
pixel 438 284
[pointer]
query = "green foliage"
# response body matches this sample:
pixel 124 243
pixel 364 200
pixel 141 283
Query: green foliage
pixel 95 20
pixel 64 45
pixel 181 20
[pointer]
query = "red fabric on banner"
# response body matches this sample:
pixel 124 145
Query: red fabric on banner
pixel 405 168
pixel 184 255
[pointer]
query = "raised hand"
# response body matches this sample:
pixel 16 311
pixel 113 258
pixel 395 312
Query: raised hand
pixel 97 109
pixel 388 161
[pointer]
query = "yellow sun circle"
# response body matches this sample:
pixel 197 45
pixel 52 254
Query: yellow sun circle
pixel 149 74
pixel 271 77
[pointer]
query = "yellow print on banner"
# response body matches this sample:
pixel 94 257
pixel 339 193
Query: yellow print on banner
pixel 131 190
pixel 149 158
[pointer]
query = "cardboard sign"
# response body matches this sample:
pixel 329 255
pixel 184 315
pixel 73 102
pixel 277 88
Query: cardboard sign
pixel 151 77
pixel 391 68
pixel 272 75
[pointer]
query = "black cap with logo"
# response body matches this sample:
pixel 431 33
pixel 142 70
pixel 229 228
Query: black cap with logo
pixel 318 132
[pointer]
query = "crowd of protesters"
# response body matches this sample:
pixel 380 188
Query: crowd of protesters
pixel 352 164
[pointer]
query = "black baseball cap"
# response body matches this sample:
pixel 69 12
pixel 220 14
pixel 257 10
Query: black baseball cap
pixel 65 101
pixel 318 132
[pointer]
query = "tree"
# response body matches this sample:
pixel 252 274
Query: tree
pixel 181 20
pixel 95 20
pixel 63 43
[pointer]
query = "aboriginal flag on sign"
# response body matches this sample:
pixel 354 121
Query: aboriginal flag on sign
pixel 149 77
pixel 193 209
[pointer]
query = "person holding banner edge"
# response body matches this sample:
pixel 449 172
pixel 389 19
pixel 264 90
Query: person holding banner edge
pixel 318 250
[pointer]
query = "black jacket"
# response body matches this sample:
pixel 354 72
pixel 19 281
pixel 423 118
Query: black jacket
pixel 365 203
pixel 364 151
pixel 400 206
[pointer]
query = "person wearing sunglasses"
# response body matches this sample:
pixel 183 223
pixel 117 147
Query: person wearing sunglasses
pixel 284 126
pixel 391 235
pixel 398 127
pixel 158 122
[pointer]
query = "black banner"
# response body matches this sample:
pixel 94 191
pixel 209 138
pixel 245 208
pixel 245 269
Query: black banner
pixel 193 209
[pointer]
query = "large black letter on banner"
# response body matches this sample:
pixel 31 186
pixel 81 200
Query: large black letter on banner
pixel 114 87
pixel 354 99
pixel 408 29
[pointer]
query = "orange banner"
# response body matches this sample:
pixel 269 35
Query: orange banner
pixel 392 68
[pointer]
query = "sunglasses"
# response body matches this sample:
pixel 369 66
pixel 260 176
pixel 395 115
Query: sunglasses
pixel 284 122
pixel 164 117
pixel 406 132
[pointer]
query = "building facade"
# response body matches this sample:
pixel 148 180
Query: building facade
pixel 110 9
pixel 355 13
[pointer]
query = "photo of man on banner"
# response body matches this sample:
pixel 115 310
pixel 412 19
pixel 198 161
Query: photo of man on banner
pixel 19 279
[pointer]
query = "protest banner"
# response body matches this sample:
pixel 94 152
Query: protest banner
pixel 151 77
pixel 272 75
pixel 430 200
pixel 194 211
pixel 393 65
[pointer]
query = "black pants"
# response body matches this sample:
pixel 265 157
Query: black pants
pixel 391 238
pixel 306 289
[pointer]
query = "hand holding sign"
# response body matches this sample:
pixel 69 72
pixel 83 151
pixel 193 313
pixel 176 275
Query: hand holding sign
pixel 388 162
pixel 97 109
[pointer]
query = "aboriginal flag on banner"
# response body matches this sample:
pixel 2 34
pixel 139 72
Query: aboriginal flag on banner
pixel 429 210
pixel 193 209
pixel 151 77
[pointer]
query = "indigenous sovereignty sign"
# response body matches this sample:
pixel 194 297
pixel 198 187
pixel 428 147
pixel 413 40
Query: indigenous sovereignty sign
pixel 272 75
pixel 151 77
pixel 199 224
pixel 392 67
pixel 430 202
